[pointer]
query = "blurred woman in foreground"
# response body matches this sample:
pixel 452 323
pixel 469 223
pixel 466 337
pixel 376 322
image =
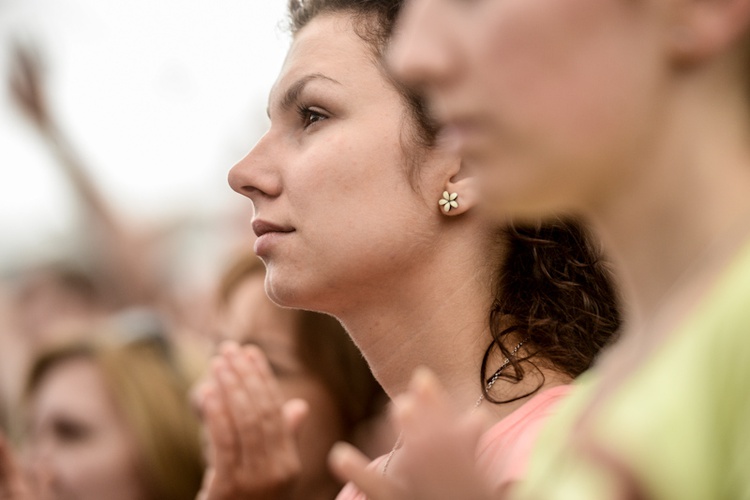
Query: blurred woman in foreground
pixel 636 115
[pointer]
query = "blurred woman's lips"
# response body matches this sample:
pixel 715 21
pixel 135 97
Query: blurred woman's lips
pixel 268 234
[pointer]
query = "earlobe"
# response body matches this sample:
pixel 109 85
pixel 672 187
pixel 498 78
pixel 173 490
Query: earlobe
pixel 459 196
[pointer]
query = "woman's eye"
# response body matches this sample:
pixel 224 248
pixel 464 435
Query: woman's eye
pixel 310 116
pixel 71 431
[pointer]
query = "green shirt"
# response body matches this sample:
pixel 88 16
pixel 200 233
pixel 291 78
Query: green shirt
pixel 680 425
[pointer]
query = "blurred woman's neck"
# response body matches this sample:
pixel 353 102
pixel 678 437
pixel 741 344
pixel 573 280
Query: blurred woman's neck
pixel 687 211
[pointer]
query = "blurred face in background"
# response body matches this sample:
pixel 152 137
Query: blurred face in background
pixel 50 302
pixel 251 318
pixel 80 447
pixel 556 101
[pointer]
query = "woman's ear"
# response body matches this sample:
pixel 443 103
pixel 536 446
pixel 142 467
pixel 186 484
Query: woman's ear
pixel 461 192
pixel 704 28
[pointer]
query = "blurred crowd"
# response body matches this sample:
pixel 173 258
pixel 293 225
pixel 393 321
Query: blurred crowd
pixel 104 357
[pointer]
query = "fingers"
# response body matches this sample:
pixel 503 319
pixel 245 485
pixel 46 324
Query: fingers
pixel 295 411
pixel 267 399
pixel 236 398
pixel 265 440
pixel 207 485
pixel 438 456
pixel 350 465
pixel 12 485
pixel 6 469
pixel 224 449
pixel 250 426
pixel 425 411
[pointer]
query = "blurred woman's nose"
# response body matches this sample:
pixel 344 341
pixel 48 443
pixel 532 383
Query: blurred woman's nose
pixel 418 53
pixel 255 175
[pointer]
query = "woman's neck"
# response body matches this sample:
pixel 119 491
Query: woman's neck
pixel 676 225
pixel 436 318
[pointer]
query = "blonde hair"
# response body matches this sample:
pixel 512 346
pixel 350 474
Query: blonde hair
pixel 150 386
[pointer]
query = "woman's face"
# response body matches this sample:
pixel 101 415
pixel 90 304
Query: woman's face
pixel 555 100
pixel 251 318
pixel 334 209
pixel 80 447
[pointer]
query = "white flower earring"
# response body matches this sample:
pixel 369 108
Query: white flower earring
pixel 448 201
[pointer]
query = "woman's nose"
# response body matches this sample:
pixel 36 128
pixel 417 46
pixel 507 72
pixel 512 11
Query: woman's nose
pixel 256 174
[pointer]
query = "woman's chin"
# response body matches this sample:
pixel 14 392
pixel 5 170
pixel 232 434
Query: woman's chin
pixel 285 293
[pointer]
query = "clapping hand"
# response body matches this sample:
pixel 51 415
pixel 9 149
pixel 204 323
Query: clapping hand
pixel 251 429
pixel 13 485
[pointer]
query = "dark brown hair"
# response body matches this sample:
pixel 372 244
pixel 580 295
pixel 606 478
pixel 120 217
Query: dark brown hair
pixel 373 21
pixel 552 290
pixel 554 293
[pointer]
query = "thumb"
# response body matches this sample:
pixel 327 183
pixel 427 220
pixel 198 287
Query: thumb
pixel 294 412
pixel 350 465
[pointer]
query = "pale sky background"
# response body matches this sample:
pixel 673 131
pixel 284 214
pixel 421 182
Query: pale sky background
pixel 160 96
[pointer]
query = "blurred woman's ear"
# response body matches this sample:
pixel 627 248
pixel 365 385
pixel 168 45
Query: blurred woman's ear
pixel 702 29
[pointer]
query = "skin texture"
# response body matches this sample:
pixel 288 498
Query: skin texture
pixel 270 423
pixel 356 237
pixel 634 114
pixel 335 172
pixel 81 448
pixel 551 99
pixel 360 241
pixel 610 109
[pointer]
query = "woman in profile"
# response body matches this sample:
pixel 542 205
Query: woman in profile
pixel 361 213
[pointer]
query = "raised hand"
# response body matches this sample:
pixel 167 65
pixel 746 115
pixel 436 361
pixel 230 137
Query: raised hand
pixel 13 485
pixel 27 85
pixel 250 428
pixel 437 459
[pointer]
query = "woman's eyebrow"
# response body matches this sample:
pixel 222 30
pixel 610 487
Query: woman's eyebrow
pixel 295 89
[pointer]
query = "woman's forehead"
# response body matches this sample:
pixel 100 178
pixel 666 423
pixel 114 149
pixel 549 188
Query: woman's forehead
pixel 330 48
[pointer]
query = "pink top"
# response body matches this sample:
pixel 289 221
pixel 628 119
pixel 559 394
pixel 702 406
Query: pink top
pixel 503 451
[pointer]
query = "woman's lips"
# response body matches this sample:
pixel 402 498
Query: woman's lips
pixel 268 233
pixel 261 227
